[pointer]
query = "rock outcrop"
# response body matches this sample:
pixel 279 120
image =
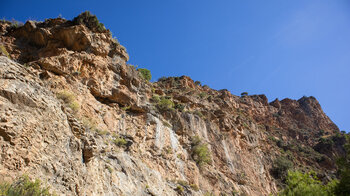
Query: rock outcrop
pixel 74 114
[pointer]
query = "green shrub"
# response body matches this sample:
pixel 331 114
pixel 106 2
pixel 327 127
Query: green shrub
pixel 120 142
pixel 66 96
pixel 165 103
pixel 145 74
pixel 198 83
pixel 24 187
pixel 203 95
pixel 126 107
pixel 180 107
pixel 75 106
pixel 90 21
pixel 194 187
pixel 109 169
pixel 326 142
pixel 4 51
pixel 306 184
pixel 156 98
pixel 179 189
pixel 244 94
pixel 200 152
pixel 280 167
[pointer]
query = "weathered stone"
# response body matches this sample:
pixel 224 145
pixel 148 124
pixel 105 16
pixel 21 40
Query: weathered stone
pixel 79 118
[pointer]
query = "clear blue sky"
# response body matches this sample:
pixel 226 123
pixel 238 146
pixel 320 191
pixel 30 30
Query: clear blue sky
pixel 288 48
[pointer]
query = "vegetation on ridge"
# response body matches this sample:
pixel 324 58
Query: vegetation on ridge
pixel 90 21
pixel 145 74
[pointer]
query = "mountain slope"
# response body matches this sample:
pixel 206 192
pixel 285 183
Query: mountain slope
pixel 77 116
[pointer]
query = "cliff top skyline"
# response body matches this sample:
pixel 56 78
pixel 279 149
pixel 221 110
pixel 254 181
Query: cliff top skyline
pixel 288 49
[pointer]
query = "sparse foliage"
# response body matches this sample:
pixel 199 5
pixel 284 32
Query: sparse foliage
pixel 69 99
pixel 119 141
pixel 90 21
pixel 194 187
pixel 200 152
pixel 145 74
pixel 244 94
pixel 24 187
pixel 198 83
pixel 280 167
pixel 165 103
pixel 179 189
pixel 203 95
pixel 4 51
pixel 180 107
pixel 156 98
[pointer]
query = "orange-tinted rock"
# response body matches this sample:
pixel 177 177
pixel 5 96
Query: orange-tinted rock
pixel 106 135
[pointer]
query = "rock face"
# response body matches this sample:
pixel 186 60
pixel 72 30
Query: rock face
pixel 76 116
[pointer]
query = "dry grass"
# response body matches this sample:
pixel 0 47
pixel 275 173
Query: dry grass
pixel 4 51
pixel 69 99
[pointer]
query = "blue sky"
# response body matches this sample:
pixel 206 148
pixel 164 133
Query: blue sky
pixel 282 49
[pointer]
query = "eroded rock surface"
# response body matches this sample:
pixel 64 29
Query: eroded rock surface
pixel 74 114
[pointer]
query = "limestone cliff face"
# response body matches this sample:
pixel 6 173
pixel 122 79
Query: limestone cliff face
pixel 74 114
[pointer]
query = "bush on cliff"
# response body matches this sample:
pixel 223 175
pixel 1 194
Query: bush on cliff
pixel 69 99
pixel 200 152
pixel 280 167
pixel 24 187
pixel 119 141
pixel 244 94
pixel 90 21
pixel 165 103
pixel 4 51
pixel 145 74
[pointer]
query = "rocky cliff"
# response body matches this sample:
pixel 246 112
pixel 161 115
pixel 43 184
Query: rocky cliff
pixel 74 114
